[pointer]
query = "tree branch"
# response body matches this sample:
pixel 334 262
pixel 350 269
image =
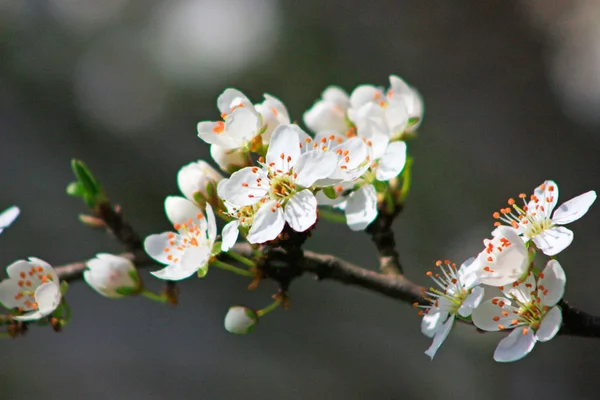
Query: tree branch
pixel 324 266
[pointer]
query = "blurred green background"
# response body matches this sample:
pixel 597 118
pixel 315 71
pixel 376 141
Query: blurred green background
pixel 512 97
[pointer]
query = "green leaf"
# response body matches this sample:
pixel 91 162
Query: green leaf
pixel 86 185
pixel 329 191
pixel 216 249
pixel 127 291
pixel 202 271
pixel 75 189
pixel 135 277
pixel 64 287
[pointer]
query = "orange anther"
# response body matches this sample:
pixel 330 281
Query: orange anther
pixel 496 318
pixel 219 127
pixel 511 201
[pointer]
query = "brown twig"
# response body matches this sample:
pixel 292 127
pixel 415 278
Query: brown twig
pixel 382 236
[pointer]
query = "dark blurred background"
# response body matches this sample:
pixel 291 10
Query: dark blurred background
pixel 512 97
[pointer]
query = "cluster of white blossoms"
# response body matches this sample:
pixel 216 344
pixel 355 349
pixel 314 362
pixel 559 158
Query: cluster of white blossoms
pixel 276 178
pixel 528 304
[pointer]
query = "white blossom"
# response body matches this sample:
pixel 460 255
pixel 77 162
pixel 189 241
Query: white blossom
pixel 230 160
pixel 535 221
pixel 195 177
pixel 112 276
pixel 32 288
pixel 504 260
pixel 529 308
pixel 281 186
pixel 240 320
pixel 457 294
pixel 329 113
pixel 187 250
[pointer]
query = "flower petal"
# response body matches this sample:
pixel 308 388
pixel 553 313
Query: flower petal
pixel 574 209
pixel 47 296
pixel 488 316
pixel 9 288
pixel 396 114
pixel 301 211
pixel 364 94
pixel 284 149
pixel 504 259
pixel 195 258
pixel 550 325
pixel 229 235
pixel 515 346
pixel 211 223
pixel 547 197
pixel 173 272
pixel 155 245
pixel 554 240
pixel 268 223
pixel 8 216
pixel 432 321
pixel 471 302
pixel 15 269
pixel 392 162
pixel 245 187
pixel 551 285
pixel 231 98
pixel 522 290
pixel 240 127
pixel 361 208
pixel 314 165
pixel 180 210
pixel 439 337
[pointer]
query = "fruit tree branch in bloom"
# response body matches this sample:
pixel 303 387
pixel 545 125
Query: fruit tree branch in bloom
pixel 328 267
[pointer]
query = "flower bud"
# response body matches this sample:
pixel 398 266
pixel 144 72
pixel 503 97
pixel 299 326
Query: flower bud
pixel 229 160
pixel 112 276
pixel 240 320
pixel 195 177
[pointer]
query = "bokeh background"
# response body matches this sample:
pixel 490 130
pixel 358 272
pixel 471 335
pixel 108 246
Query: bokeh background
pixel 512 95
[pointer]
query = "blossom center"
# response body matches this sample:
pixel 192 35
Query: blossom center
pixel 531 218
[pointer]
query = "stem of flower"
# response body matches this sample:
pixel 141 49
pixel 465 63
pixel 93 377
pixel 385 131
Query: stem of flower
pixel 231 268
pixel 332 216
pixel 406 181
pixel 67 311
pixel 241 259
pixel 269 308
pixel 153 296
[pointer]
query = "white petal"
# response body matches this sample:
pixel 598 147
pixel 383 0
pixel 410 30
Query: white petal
pixel 550 325
pixel 211 223
pixel 524 290
pixel 301 211
pixel 507 265
pixel 483 316
pixel 314 165
pixel 242 188
pixel 432 321
pixel 439 337
pixel 155 246
pixel 9 288
pixel 364 94
pixel 574 209
pixel 173 272
pixel 553 283
pixel 8 216
pixel 15 269
pixel 268 223
pixel 392 162
pixel 396 115
pixel 229 235
pixel 213 133
pixel 241 126
pixel 180 210
pixel 195 258
pixel 547 198
pixel 48 297
pixel 361 208
pixel 229 160
pixel 468 273
pixel 231 98
pixel 471 302
pixel 554 240
pixel 240 320
pixel 284 149
pixel 195 176
pixel 515 346
pixel 326 116
pixel 336 95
